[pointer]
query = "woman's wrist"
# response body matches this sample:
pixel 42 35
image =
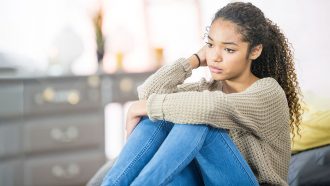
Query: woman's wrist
pixel 140 107
pixel 193 61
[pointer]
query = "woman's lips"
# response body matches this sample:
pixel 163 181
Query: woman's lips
pixel 215 70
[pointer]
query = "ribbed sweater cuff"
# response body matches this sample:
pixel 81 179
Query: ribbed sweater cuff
pixel 155 106
pixel 186 66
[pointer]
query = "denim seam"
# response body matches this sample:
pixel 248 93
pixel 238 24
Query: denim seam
pixel 215 134
pixel 236 158
pixel 169 177
pixel 138 156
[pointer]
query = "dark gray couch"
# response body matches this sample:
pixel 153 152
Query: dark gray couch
pixel 98 177
pixel 311 167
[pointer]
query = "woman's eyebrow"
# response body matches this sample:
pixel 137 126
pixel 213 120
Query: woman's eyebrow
pixel 209 37
pixel 226 43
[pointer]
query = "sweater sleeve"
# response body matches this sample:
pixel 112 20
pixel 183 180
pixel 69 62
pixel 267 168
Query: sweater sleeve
pixel 169 79
pixel 258 110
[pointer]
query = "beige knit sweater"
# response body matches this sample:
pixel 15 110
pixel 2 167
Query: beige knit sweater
pixel 257 118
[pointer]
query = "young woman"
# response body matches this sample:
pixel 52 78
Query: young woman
pixel 232 130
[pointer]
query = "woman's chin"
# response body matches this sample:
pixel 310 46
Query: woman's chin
pixel 217 77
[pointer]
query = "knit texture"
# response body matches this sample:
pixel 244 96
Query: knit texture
pixel 257 118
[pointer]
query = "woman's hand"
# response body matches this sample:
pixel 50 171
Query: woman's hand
pixel 202 55
pixel 193 60
pixel 134 114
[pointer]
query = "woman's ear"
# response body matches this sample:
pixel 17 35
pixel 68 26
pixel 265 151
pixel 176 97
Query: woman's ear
pixel 256 52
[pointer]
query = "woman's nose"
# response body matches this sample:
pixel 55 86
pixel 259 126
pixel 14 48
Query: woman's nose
pixel 216 56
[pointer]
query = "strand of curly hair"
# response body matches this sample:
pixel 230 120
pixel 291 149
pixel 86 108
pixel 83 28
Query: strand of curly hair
pixel 277 61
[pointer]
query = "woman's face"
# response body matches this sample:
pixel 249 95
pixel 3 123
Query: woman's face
pixel 226 54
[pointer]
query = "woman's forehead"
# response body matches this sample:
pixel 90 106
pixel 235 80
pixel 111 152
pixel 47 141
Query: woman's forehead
pixel 224 31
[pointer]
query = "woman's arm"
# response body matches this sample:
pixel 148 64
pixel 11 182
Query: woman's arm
pixel 166 79
pixel 170 78
pixel 260 110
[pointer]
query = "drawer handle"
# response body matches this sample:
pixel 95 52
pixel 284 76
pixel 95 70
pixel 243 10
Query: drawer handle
pixel 65 136
pixel 93 81
pixel 70 171
pixel 126 85
pixel 73 97
pixel 50 95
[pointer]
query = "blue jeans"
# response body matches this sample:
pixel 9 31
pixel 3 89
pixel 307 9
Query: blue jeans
pixel 164 153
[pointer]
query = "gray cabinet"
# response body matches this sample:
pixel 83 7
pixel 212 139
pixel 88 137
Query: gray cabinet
pixel 52 128
pixel 11 99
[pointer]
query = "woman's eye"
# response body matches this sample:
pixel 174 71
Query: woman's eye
pixel 229 50
pixel 210 45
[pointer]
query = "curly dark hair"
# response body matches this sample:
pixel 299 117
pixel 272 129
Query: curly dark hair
pixel 276 59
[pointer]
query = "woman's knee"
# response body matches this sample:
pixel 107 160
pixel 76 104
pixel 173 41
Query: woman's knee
pixel 214 134
pixel 146 122
pixel 194 131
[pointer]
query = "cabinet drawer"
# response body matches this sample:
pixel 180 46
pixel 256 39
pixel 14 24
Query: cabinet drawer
pixel 11 99
pixel 10 139
pixel 62 94
pixel 64 132
pixel 66 169
pixel 11 173
pixel 126 86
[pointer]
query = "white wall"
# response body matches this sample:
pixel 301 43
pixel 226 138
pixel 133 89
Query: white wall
pixel 29 28
pixel 306 24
